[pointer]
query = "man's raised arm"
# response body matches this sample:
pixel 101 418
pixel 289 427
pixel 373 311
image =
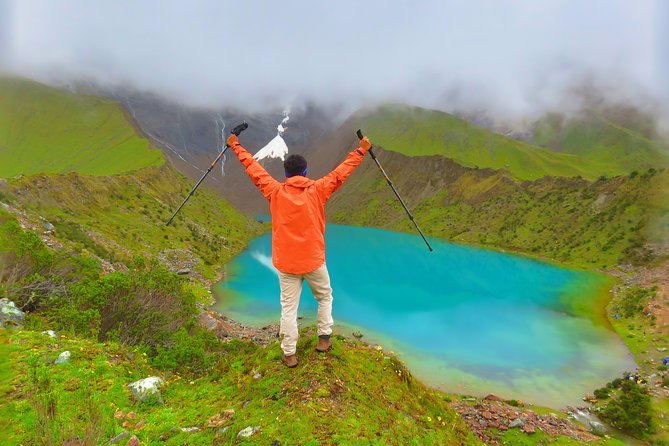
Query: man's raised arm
pixel 260 177
pixel 333 181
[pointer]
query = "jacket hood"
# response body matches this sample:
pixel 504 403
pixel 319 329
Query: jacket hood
pixel 299 181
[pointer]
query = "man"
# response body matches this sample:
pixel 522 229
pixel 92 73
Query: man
pixel 298 228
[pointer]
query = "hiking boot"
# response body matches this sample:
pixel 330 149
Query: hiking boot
pixel 290 361
pixel 324 343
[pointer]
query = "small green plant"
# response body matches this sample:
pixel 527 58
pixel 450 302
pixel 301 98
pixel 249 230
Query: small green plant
pixel 602 393
pixel 633 300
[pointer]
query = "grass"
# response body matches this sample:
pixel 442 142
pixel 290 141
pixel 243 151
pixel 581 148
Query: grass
pixel 121 216
pixel 46 130
pixel 352 395
pixel 643 338
pixel 415 131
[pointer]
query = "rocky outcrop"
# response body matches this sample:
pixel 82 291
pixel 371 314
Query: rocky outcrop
pixel 487 417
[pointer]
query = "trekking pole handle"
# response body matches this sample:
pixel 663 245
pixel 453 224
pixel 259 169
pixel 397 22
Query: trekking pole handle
pixel 240 128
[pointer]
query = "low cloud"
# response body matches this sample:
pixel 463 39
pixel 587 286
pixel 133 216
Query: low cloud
pixel 511 57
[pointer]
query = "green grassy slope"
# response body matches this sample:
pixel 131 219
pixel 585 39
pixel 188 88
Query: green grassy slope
pixel 622 138
pixel 119 217
pixel 46 130
pixel 574 221
pixel 416 131
pixel 355 395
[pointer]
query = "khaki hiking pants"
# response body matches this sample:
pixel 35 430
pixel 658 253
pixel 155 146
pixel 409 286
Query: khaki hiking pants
pixel 291 288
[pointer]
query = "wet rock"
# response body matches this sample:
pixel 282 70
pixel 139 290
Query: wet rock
pixel 248 431
pixel 120 437
pixel 48 226
pixel 518 422
pixel 147 389
pixel 10 314
pixel 63 358
pixel 597 428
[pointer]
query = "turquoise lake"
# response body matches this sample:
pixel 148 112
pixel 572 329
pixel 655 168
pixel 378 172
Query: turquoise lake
pixel 465 320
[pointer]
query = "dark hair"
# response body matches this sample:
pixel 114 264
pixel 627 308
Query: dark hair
pixel 294 165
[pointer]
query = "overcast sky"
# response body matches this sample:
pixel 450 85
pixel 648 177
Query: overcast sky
pixel 508 55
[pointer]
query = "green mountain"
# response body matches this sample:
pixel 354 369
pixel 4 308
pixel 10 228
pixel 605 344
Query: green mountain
pixel 416 131
pixel 622 138
pixel 90 257
pixel 87 254
pixel 46 130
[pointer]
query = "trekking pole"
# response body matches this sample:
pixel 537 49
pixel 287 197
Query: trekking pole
pixel 390 183
pixel 237 130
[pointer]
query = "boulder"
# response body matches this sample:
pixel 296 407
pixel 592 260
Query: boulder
pixel 211 322
pixel 10 314
pixel 147 389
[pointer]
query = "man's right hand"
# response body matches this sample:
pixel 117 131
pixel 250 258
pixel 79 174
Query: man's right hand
pixel 232 140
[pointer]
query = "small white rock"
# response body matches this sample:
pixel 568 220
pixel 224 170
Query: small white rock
pixel 247 432
pixel 50 333
pixel 190 430
pixel 63 358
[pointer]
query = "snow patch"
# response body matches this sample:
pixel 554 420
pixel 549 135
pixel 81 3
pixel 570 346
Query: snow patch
pixel 277 147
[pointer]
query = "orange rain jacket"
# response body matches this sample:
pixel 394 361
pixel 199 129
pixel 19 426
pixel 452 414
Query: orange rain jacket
pixel 298 210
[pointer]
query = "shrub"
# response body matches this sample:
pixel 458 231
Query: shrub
pixel 145 306
pixel 189 352
pixel 630 410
